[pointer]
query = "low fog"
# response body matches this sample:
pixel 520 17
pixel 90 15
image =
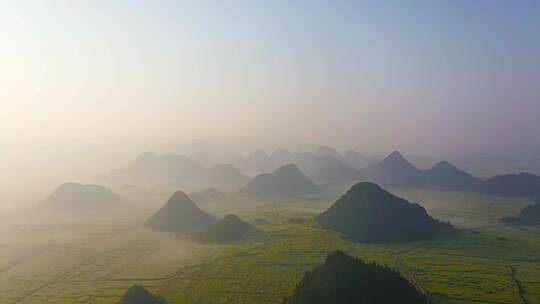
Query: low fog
pixel 245 151
pixel 219 79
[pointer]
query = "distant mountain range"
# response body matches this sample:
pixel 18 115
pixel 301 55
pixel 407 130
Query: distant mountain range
pixel 224 174
pixel 180 214
pixel 335 172
pixel 395 171
pixel 354 159
pixel 311 162
pixel 258 162
pixel 210 195
pixel 523 184
pixel 79 198
pixel 325 166
pixel 149 167
pixel 286 181
pixel 368 213
pixel 308 162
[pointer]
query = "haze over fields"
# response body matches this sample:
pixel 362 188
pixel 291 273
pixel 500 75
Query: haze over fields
pixel 247 151
pixel 87 85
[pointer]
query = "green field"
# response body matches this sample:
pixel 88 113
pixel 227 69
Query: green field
pixel 96 260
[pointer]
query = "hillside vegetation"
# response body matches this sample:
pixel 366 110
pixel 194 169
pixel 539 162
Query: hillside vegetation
pixel 180 214
pixel 368 213
pixel 347 280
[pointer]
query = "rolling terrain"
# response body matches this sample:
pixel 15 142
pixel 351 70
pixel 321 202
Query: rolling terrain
pixel 97 260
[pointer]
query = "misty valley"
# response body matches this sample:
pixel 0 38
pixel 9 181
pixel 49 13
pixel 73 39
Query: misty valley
pixel 269 152
pixel 317 227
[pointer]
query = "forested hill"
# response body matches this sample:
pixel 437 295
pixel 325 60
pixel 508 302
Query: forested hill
pixel 347 280
pixel 368 213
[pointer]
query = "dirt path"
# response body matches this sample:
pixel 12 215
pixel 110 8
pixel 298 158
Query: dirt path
pixel 521 290
pixel 409 275
pixel 63 277
pixel 24 258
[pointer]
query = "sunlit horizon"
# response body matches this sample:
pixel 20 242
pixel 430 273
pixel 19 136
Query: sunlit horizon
pixel 87 85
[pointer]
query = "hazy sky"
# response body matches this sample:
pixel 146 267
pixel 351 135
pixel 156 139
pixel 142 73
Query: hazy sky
pixel 441 77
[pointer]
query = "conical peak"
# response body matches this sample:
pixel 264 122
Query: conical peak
pixel 395 156
pixel 288 168
pixel 179 197
pixel 69 185
pixel 232 218
pixel 396 160
pixel 322 150
pixel 365 187
pixel 443 164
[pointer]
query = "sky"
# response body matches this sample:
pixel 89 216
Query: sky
pixel 423 77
